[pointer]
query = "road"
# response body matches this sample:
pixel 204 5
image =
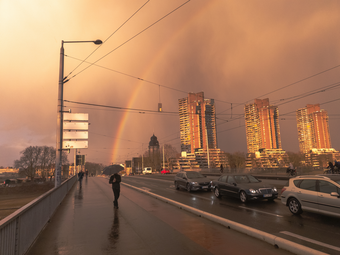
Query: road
pixel 86 223
pixel 312 230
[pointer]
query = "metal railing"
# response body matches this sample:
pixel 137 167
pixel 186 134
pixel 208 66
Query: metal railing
pixel 19 230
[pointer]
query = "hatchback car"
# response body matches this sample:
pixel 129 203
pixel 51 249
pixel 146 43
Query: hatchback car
pixel 165 171
pixel 243 186
pixel 314 193
pixel 192 180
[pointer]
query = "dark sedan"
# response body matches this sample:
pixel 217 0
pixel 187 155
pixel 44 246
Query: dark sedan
pixel 243 186
pixel 192 180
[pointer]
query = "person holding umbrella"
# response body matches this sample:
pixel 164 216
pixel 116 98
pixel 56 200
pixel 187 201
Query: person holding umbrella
pixel 115 180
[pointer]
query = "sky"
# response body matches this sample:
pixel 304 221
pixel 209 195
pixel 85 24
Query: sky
pixel 157 52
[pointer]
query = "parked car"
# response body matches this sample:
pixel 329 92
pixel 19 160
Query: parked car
pixel 313 193
pixel 243 186
pixel 165 171
pixel 192 180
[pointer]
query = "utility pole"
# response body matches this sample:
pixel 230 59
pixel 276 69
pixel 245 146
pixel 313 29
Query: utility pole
pixel 60 109
pixel 163 156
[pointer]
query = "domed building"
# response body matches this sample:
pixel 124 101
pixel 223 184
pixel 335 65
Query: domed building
pixel 154 154
pixel 153 146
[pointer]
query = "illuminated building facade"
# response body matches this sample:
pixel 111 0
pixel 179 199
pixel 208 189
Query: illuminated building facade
pixel 198 134
pixel 263 136
pixel 313 128
pixel 262 126
pixel 197 123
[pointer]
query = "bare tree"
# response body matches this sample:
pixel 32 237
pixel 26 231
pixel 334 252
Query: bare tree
pixel 29 161
pixel 236 160
pixel 169 152
pixel 296 158
pixel 94 168
pixel 38 158
pixel 47 160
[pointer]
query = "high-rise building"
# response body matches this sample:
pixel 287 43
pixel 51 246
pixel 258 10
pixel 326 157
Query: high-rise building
pixel 313 128
pixel 197 123
pixel 262 126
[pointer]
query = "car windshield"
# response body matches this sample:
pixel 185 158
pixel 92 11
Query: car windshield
pixel 245 179
pixel 192 175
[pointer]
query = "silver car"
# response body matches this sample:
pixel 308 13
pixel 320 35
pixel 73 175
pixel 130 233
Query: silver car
pixel 314 193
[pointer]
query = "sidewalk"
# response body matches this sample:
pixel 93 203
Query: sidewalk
pixel 86 223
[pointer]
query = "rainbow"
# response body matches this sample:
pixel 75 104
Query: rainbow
pixel 158 56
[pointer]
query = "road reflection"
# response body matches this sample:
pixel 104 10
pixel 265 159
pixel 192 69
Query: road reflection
pixel 113 235
pixel 78 197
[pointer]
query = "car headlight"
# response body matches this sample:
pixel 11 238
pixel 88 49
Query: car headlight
pixel 253 191
pixel 194 183
pixel 274 189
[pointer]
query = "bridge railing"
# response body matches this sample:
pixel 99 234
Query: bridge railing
pixel 19 230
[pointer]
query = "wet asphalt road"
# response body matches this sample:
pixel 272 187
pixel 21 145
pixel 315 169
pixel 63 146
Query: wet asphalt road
pixel 312 230
pixel 86 223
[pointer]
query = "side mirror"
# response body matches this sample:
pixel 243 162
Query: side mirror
pixel 335 194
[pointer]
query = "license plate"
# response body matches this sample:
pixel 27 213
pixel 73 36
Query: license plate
pixel 267 195
pixel 205 187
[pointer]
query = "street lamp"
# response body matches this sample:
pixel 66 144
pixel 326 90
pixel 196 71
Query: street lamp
pixel 60 117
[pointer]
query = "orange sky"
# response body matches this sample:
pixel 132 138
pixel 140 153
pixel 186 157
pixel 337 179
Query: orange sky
pixel 234 51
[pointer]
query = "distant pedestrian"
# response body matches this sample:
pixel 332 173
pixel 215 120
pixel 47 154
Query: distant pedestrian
pixel 221 168
pixel 115 180
pixel 80 177
pixel 86 173
pixel 331 167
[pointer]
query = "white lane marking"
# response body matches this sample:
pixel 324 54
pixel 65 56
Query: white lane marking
pixel 311 240
pixel 145 188
pixel 277 215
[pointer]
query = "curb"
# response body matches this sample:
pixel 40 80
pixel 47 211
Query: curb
pixel 269 238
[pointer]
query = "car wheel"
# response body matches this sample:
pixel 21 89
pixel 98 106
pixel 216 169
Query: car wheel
pixel 188 187
pixel 176 185
pixel 243 196
pixel 294 206
pixel 217 193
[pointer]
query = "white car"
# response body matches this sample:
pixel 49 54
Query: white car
pixel 314 193
pixel 147 170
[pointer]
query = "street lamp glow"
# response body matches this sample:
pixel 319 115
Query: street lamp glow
pixel 60 108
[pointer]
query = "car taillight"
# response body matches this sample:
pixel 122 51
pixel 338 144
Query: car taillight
pixel 283 189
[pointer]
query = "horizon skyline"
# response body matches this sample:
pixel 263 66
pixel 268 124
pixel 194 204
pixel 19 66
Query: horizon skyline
pixel 155 52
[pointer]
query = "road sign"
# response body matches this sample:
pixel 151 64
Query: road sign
pixel 75 144
pixel 76 125
pixel 75 135
pixel 76 116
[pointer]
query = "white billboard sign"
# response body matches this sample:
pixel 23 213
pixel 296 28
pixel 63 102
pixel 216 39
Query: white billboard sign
pixel 75 144
pixel 76 126
pixel 76 116
pixel 75 135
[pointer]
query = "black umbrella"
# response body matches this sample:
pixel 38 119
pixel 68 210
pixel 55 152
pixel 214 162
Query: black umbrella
pixel 112 169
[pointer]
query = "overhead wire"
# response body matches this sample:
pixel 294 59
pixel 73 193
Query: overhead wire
pixel 139 33
pixel 291 84
pixel 107 39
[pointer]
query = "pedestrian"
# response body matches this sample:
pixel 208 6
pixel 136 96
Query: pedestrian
pixel 86 173
pixel 115 180
pixel 221 168
pixel 80 177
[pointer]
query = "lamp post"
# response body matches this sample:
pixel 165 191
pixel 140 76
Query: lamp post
pixel 60 108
